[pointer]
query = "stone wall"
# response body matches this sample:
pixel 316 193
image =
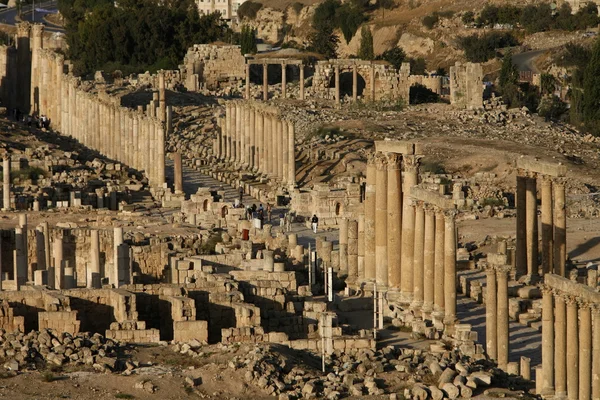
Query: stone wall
pixel 329 204
pixel 212 66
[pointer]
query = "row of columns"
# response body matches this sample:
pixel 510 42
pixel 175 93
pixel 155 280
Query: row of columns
pixel 131 137
pixel 554 225
pixel 570 346
pixel 257 138
pixel 265 68
pixel 402 244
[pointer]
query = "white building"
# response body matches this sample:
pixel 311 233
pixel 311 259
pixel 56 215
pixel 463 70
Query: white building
pixel 227 8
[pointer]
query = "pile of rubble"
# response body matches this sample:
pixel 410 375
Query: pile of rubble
pixel 37 349
pixel 413 373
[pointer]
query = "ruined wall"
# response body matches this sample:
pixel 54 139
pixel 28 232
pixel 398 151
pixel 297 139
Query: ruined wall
pixel 466 86
pixel 433 83
pixel 330 204
pixel 211 66
pixel 379 81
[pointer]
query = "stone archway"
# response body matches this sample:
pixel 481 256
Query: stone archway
pixel 346 84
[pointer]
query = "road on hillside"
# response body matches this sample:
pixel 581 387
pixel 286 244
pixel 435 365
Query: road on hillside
pixel 9 16
pixel 525 61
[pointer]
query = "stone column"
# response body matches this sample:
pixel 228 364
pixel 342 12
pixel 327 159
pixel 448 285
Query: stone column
pixel 269 261
pixel 162 98
pixel 6 183
pixel 354 83
pixel 274 147
pixel 372 82
pixel 381 243
pixel 560 228
pixel 547 226
pixel 40 247
pixel 596 353
pixel 25 272
pixel 585 352
pixel 93 275
pixel 419 259
pixel 117 241
pixel 547 343
pixel 178 171
pixel 343 243
pixel 410 175
pixel 230 131
pixel 267 142
pixel 160 155
pixel 337 84
pixel 237 151
pixel 252 148
pixel 265 83
pixel 370 200
pixel 280 167
pixel 58 262
pixel 260 132
pixel 502 334
pixel 283 81
pixel 450 274
pixel 560 346
pixel 394 219
pixel 532 227
pixel 521 245
pixel 438 304
pixel 491 314
pixel 301 81
pixel 429 261
pixel 291 154
pixel 352 250
pixel 572 350
pixel 361 247
pixel 21 257
pixel 247 81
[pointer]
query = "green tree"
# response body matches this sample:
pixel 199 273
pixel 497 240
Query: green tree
pixel 468 17
pixel 324 41
pixel 366 52
pixel 509 73
pixel 591 90
pixel 349 18
pixel 547 84
pixel 248 40
pixel 395 56
pixel 551 107
pixel 417 66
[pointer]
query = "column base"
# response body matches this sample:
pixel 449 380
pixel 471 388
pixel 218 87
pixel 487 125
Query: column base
pixel 417 308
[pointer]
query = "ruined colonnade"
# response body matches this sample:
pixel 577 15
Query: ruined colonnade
pixel 496 309
pixel 265 75
pixel 554 218
pixel 97 120
pixel 570 340
pixel 255 136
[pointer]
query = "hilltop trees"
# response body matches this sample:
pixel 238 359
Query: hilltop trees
pixel 591 92
pixel 248 40
pixel 366 52
pixel 137 35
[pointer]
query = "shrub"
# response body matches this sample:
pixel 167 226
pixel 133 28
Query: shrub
pixel 430 21
pixel 297 7
pixel 366 52
pixel 417 66
pixel 349 19
pixel 551 108
pixel 468 17
pixel 482 48
pixel 433 167
pixel 248 9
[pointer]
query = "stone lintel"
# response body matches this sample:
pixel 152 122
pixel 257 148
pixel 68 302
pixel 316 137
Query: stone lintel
pixel 542 167
pixel 433 198
pixel 396 146
pixel 568 287
pixel 274 61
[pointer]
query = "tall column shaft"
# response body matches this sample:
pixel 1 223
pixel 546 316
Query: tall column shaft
pixel 439 261
pixel 93 276
pixel 596 353
pixel 450 272
pixel 547 226
pixel 352 250
pixel 419 259
pixel 491 314
pixel 585 352
pixel 394 220
pixel 361 247
pixel 291 154
pixel 178 172
pixel 381 248
pixel 572 350
pixel 117 241
pixel 370 220
pixel 521 245
pixel 560 228
pixel 560 346
pixel 6 183
pixel 265 83
pixel 532 227
pixel 547 342
pixel 343 246
pixel 252 149
pixel 337 84
pixel 429 261
pixel 283 81
pixel 301 81
pixel 354 83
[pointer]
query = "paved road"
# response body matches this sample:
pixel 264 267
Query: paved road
pixel 9 16
pixel 524 61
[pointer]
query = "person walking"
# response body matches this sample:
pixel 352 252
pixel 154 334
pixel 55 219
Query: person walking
pixel 315 223
pixel 269 211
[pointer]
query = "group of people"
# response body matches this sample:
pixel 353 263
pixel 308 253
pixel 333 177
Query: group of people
pixel 31 120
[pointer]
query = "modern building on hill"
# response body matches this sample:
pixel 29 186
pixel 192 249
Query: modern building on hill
pixel 227 8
